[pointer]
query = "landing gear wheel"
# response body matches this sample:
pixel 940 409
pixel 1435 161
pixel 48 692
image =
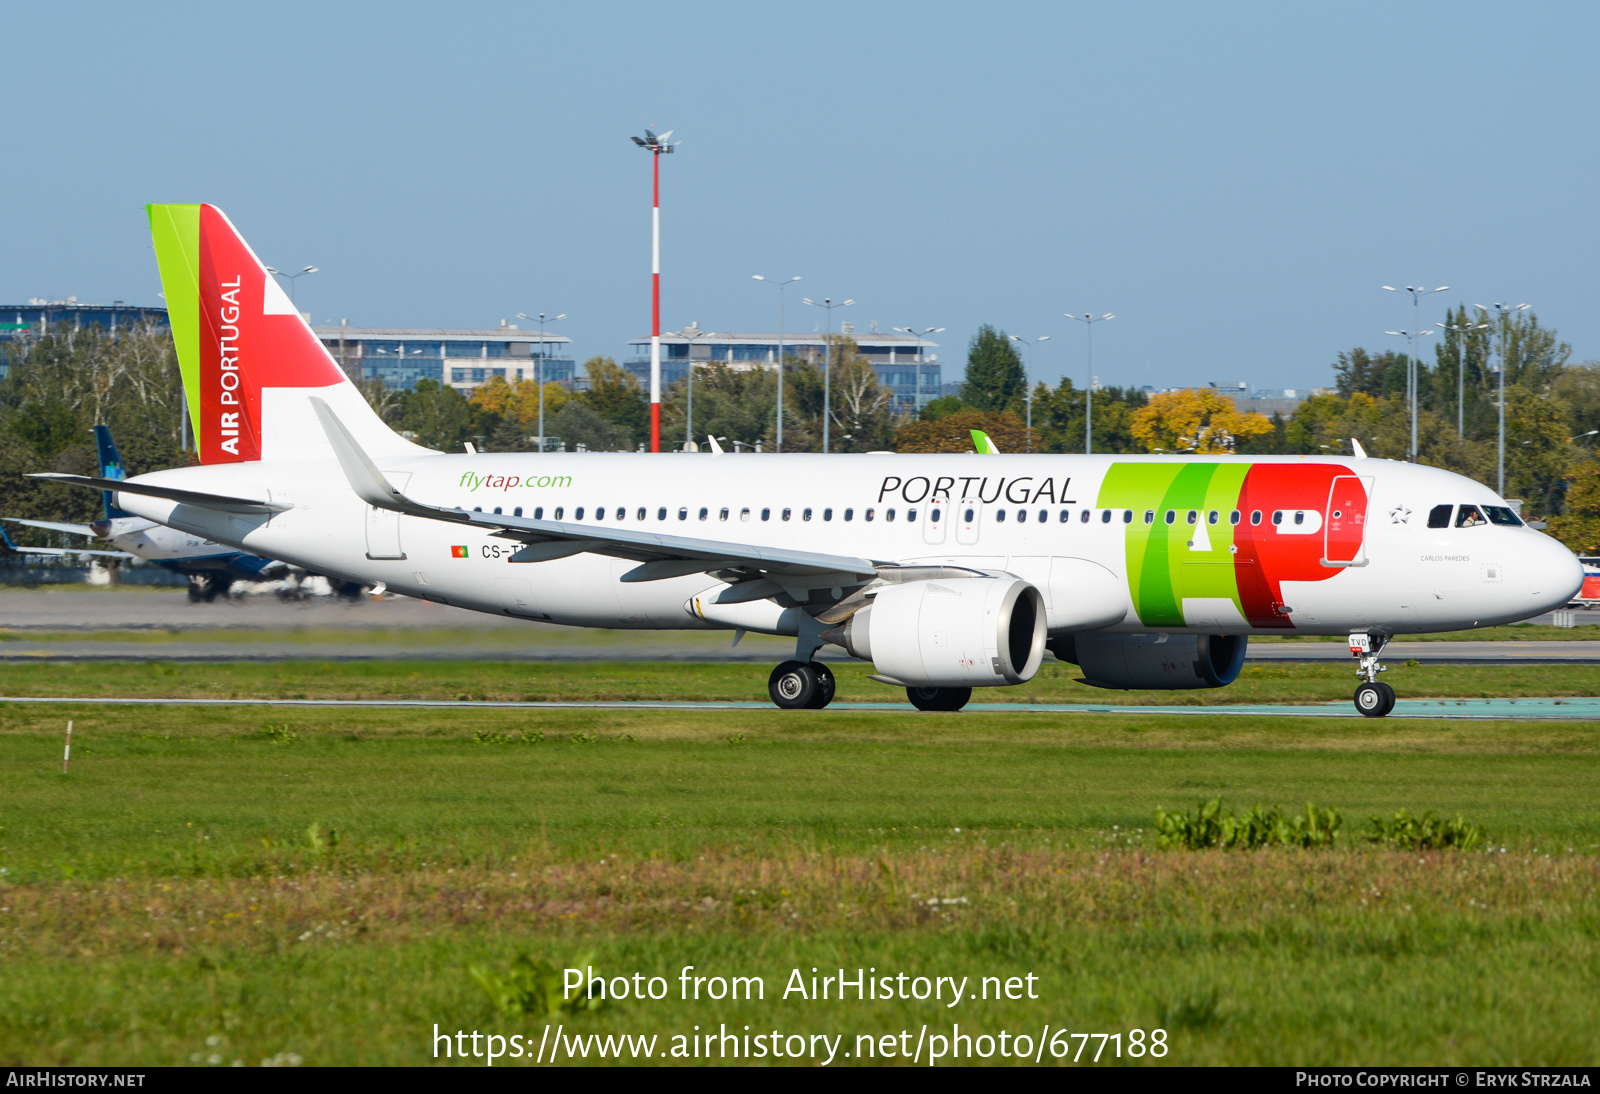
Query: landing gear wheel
pixel 794 685
pixel 1374 700
pixel 940 699
pixel 826 685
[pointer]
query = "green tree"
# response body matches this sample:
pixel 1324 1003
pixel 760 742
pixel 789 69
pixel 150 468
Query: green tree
pixel 953 432
pixel 615 395
pixel 737 404
pixel 1058 418
pixel 995 380
pixel 1579 526
pixel 436 416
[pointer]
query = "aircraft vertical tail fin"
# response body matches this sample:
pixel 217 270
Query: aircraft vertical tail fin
pixel 111 467
pixel 249 359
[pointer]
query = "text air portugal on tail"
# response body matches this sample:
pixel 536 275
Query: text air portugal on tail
pixel 248 359
pixel 947 572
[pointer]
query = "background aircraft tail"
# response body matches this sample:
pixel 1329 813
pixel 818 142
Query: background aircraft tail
pixel 249 360
pixel 111 467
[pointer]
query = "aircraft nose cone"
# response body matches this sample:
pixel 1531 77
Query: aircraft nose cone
pixel 1558 574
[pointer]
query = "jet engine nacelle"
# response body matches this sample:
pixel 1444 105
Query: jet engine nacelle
pixel 1154 662
pixel 974 632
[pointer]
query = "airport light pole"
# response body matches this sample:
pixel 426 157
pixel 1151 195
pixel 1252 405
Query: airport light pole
pixel 1027 380
pixel 539 368
pixel 1411 380
pixel 1503 315
pixel 657 147
pixel 917 401
pixel 827 366
pixel 1089 320
pixel 1461 332
pixel 781 286
pixel 292 277
pixel 1416 292
pixel 688 416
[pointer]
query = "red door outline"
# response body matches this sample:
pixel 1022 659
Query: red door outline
pixel 1344 522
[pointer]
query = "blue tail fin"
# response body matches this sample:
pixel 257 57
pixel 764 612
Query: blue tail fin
pixel 110 468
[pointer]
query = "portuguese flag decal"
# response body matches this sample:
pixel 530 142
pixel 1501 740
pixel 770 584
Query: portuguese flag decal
pixel 458 552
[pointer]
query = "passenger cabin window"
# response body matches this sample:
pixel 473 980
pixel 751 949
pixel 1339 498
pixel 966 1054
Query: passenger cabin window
pixel 1233 517
pixel 578 513
pixel 599 512
pixel 1502 514
pixel 683 514
pixel 1127 516
pixel 1469 517
pixel 1000 516
pixel 1277 516
pixel 517 512
pixel 497 511
pixel 805 514
pixel 1255 516
pixel 849 514
pixel 1299 516
pixel 704 512
pixel 1211 517
pixel 1066 515
pixel 1172 516
pixel 787 513
pixel 1193 517
pixel 1149 516
pixel 622 514
pixel 766 514
pixel 538 513
pixel 870 514
pixel 1439 516
pixel 722 514
pixel 744 514
pixel 911 516
pixel 827 514
pixel 558 512
pixel 935 515
pixel 968 516
pixel 1044 516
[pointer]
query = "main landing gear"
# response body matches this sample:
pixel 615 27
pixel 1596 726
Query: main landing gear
pixel 943 699
pixel 801 685
pixel 1373 699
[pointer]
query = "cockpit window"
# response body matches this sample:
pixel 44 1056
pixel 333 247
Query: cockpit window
pixel 1439 516
pixel 1469 517
pixel 1502 514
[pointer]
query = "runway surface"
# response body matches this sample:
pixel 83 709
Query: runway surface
pixel 1580 709
pixel 161 625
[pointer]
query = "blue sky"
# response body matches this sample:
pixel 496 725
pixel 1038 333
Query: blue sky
pixel 1234 181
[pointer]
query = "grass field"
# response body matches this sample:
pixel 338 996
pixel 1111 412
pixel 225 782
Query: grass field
pixel 623 680
pixel 244 885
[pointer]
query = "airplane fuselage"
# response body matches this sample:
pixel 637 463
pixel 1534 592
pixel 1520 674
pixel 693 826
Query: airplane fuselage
pixel 1211 545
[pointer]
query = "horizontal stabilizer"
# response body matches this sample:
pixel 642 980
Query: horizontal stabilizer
pixel 183 497
pixel 54 526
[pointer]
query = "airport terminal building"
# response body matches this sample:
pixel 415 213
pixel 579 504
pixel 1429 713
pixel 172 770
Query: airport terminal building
pixel 19 321
pixel 902 362
pixel 461 359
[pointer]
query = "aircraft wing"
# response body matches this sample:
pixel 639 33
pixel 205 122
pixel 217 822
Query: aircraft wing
pixel 54 526
pixel 185 497
pixel 662 556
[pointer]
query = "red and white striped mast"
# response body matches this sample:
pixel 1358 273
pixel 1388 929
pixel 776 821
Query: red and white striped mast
pixel 657 147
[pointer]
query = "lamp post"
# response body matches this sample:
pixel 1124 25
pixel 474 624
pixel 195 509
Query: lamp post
pixel 544 351
pixel 1088 320
pixel 292 277
pixel 1461 370
pixel 916 402
pixel 827 366
pixel 688 416
pixel 781 286
pixel 1027 380
pixel 1411 380
pixel 1417 292
pixel 657 147
pixel 1503 314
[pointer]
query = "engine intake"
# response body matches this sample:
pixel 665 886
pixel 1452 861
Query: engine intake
pixel 960 633
pixel 1145 662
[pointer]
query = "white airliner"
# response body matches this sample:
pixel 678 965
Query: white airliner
pixel 210 567
pixel 946 572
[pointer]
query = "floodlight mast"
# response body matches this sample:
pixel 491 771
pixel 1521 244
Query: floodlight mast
pixel 1088 319
pixel 916 402
pixel 1413 378
pixel 657 146
pixel 544 351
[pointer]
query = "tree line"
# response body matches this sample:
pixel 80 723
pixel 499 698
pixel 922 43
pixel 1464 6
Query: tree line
pixel 64 382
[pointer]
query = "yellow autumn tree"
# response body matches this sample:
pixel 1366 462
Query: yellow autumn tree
pixel 1201 420
pixel 519 401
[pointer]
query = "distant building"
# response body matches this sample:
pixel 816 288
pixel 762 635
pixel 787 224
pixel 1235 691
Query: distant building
pixel 902 362
pixel 17 321
pixel 461 359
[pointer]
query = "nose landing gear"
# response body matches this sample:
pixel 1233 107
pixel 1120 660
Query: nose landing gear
pixel 1373 699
